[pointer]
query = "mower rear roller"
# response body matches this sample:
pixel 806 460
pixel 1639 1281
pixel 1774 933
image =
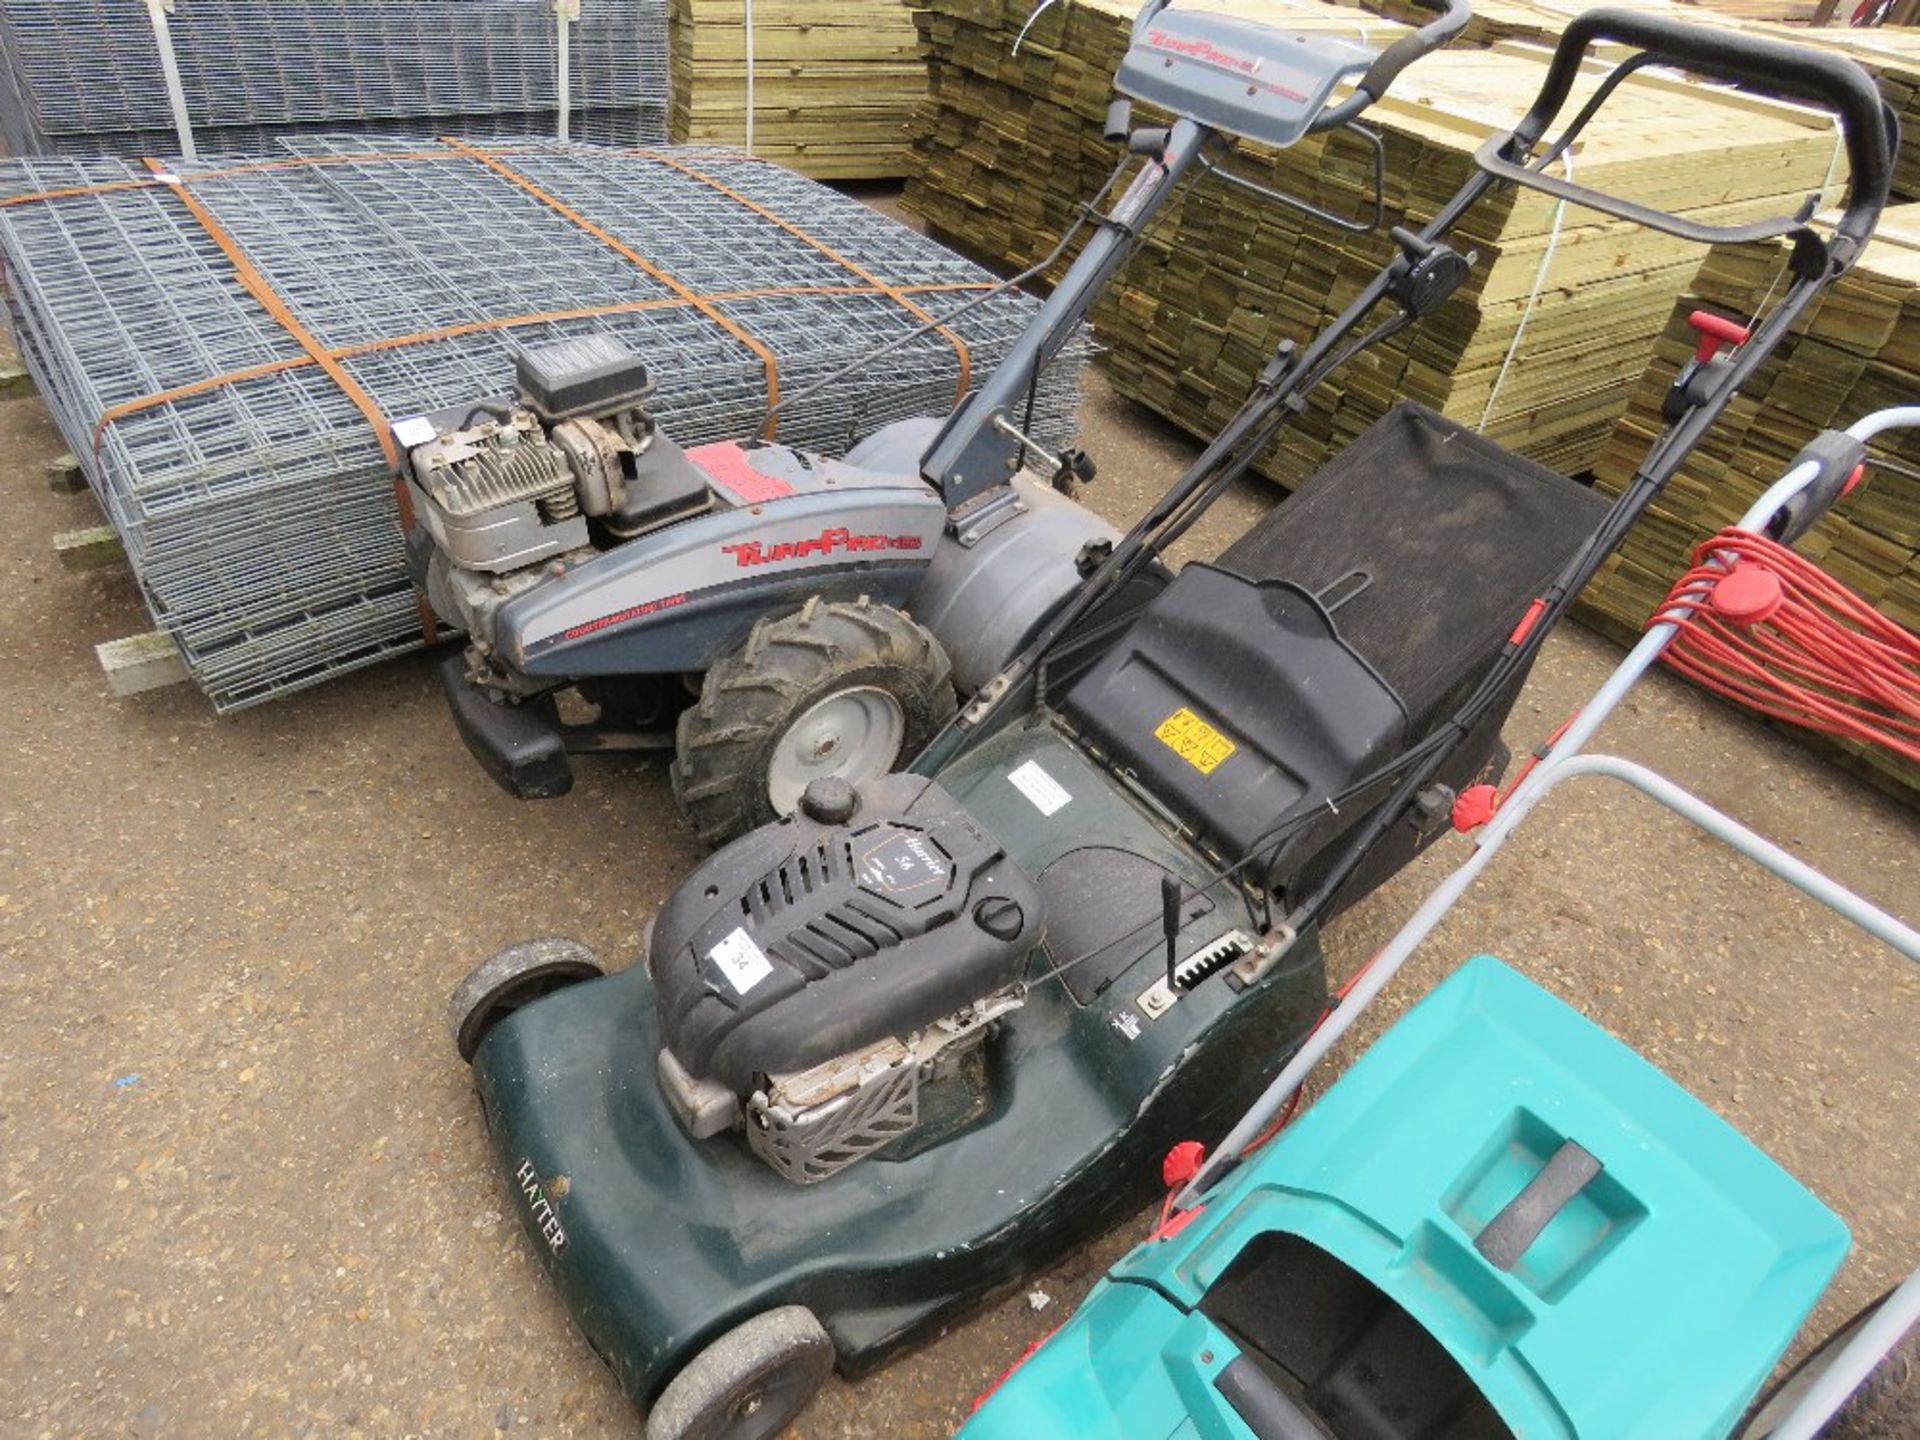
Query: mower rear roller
pixel 837 689
pixel 749 1383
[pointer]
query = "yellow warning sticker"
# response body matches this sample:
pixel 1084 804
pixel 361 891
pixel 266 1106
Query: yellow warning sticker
pixel 1194 740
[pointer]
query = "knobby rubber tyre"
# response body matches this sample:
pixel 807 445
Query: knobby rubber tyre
pixel 517 976
pixel 750 1383
pixel 789 668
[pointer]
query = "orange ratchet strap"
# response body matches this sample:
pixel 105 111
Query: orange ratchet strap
pixel 270 301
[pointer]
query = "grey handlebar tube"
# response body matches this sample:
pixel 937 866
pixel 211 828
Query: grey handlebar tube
pixel 1388 64
pixel 1849 1369
pixel 972 453
pixel 1434 909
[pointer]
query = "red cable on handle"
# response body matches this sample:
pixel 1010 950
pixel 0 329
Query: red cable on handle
pixel 1775 633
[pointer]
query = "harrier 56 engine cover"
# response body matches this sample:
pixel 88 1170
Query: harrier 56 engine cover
pixel 811 974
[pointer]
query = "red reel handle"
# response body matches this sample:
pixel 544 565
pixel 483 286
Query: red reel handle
pixel 1715 331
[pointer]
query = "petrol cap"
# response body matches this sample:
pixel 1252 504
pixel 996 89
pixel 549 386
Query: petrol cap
pixel 829 800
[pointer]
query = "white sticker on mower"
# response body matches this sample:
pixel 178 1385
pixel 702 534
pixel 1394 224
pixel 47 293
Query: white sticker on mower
pixel 1046 793
pixel 740 961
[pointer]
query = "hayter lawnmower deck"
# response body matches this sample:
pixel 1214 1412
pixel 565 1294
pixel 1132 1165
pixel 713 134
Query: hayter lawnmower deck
pixel 889 1054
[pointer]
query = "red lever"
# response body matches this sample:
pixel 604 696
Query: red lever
pixel 1715 331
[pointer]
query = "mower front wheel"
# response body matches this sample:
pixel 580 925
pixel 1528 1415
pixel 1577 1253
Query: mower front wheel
pixel 840 689
pixel 517 976
pixel 750 1383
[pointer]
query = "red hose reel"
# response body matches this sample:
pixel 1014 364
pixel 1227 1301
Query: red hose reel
pixel 1760 625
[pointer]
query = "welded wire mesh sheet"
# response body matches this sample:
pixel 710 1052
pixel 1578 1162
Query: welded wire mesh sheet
pixel 85 76
pixel 253 495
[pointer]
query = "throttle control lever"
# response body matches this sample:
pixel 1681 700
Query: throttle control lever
pixel 1704 373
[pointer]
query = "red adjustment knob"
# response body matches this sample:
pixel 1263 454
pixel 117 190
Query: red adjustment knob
pixel 1474 807
pixel 1853 481
pixel 1182 1162
pixel 1715 331
pixel 1746 594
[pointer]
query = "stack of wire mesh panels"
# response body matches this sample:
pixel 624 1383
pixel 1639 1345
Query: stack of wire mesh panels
pixel 85 77
pixel 249 488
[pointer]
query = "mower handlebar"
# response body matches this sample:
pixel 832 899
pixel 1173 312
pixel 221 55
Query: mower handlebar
pixel 1756 63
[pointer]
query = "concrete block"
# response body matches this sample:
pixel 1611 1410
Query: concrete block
pixel 141 662
pixel 65 477
pixel 95 548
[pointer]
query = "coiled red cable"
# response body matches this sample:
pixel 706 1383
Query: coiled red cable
pixel 1769 629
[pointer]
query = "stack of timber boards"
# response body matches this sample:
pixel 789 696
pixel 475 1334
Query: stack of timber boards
pixel 1891 56
pixel 1858 352
pixel 834 86
pixel 1792 12
pixel 1559 315
pixel 1496 20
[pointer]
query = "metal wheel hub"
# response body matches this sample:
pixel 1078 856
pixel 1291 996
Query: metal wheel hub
pixel 851 735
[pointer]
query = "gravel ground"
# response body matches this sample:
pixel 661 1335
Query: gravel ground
pixel 243 1186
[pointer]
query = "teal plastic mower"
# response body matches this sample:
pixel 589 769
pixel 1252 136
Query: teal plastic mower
pixel 1501 1222
pixel 888 1056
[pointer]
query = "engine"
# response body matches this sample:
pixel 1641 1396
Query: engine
pixel 574 462
pixel 501 495
pixel 826 986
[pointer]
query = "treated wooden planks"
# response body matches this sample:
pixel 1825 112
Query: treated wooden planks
pixel 1890 55
pixel 834 85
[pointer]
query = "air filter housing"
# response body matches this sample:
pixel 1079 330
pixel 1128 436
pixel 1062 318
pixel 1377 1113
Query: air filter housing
pixel 590 375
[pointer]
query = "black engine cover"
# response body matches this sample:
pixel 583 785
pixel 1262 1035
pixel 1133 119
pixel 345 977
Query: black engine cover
pixel 802 941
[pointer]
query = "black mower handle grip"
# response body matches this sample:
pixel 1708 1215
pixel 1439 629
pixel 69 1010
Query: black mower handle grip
pixel 1388 64
pixel 1756 63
